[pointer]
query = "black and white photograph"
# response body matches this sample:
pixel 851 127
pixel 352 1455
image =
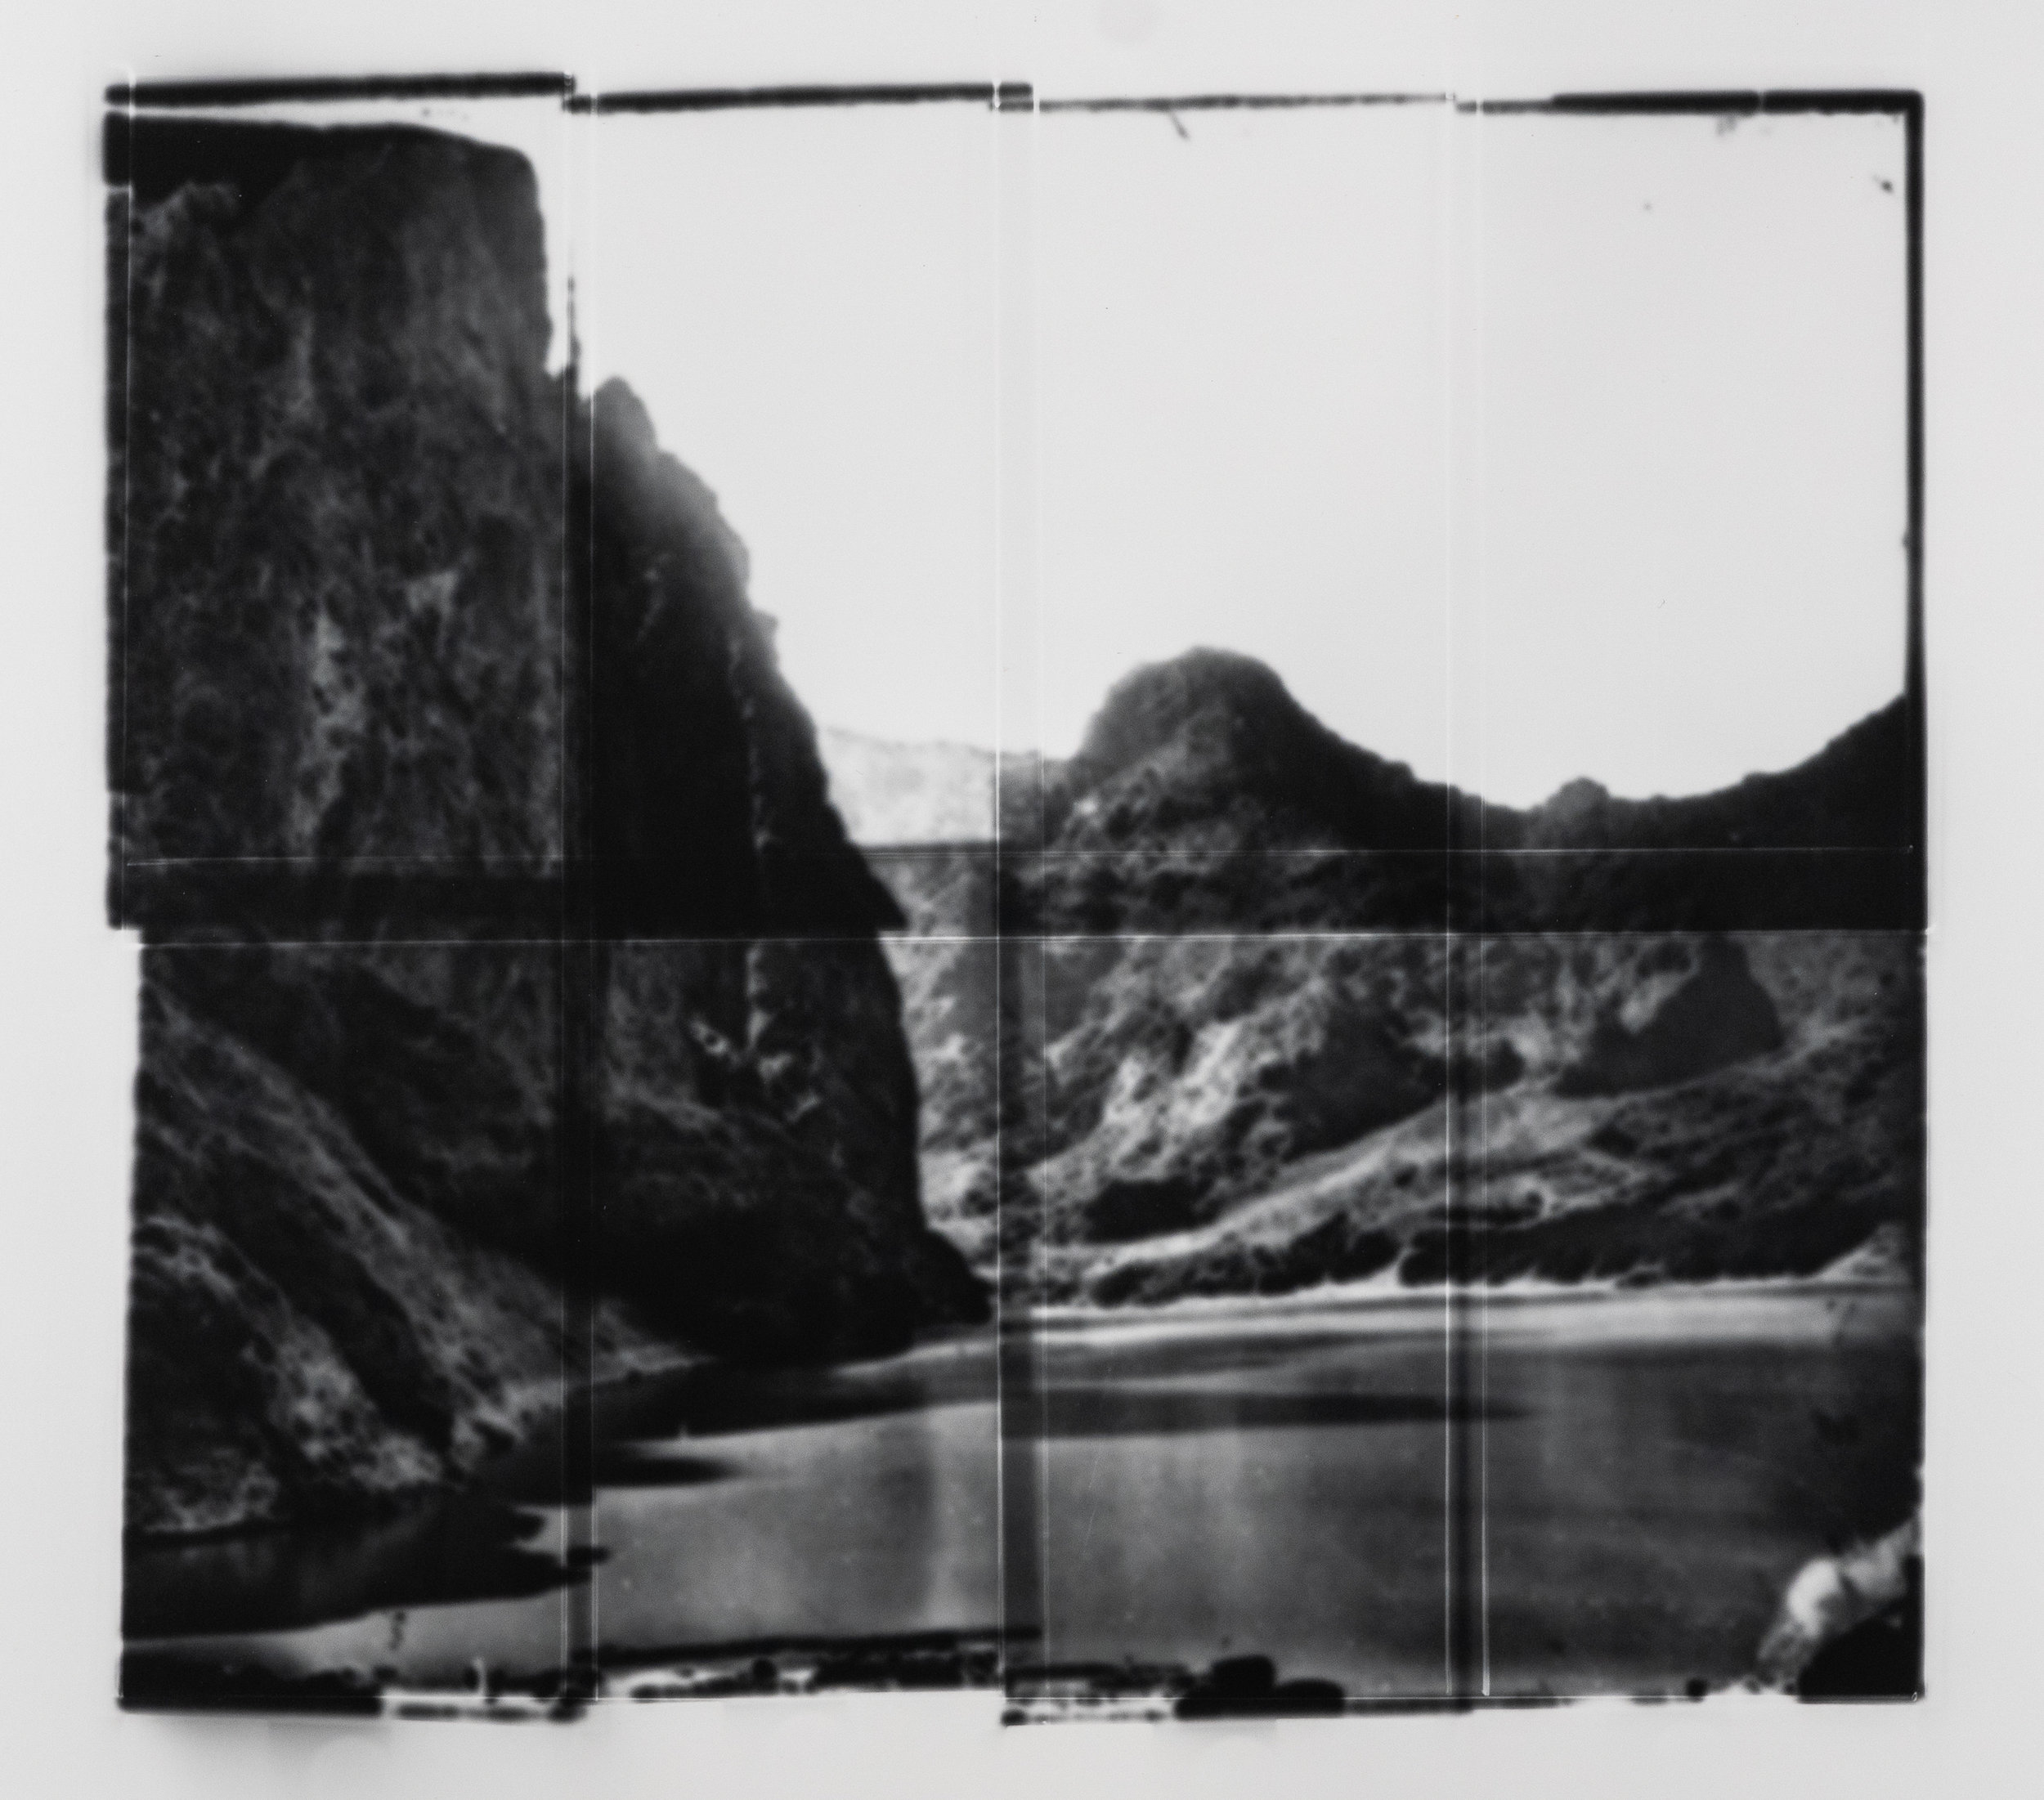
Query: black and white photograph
pixel 1320 988
pixel 1107 889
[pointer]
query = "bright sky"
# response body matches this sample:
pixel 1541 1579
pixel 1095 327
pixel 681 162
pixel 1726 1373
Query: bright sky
pixel 1523 448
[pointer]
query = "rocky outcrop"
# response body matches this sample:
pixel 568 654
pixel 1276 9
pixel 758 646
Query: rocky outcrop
pixel 1854 794
pixel 1463 1134
pixel 611 1032
pixel 1259 1043
pixel 1850 1626
pixel 1205 798
pixel 306 1332
pixel 1713 1014
pixel 948 965
pixel 338 475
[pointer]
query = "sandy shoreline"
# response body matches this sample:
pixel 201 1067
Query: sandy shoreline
pixel 1673 1309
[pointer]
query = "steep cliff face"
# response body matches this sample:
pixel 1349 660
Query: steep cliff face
pixel 708 814
pixel 307 1332
pixel 338 474
pixel 368 1171
pixel 949 964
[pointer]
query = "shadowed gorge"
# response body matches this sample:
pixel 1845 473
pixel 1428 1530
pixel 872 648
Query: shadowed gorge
pixel 420 652
pixel 587 1107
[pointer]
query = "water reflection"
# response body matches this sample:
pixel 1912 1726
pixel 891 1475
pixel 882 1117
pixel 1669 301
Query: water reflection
pixel 470 1548
pixel 1650 1474
pixel 1095 1409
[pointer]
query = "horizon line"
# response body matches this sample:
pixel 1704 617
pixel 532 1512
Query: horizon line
pixel 1899 698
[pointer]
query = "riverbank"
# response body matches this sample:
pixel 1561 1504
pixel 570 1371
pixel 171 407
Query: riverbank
pixel 1669 1308
pixel 1629 1480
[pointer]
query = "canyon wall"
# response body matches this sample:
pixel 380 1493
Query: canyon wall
pixel 1235 1006
pixel 514 1011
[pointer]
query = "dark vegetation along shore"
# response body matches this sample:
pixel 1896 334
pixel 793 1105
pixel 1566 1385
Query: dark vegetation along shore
pixel 1215 1015
pixel 419 1140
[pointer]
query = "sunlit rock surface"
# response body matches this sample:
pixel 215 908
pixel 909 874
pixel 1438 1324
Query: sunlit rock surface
pixel 1241 1033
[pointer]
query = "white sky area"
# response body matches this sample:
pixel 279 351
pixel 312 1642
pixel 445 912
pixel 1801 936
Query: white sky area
pixel 1522 447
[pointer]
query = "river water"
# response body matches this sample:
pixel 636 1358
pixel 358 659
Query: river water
pixel 1562 1494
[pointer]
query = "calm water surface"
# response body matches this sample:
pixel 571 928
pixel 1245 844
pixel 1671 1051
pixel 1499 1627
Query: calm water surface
pixel 1647 1472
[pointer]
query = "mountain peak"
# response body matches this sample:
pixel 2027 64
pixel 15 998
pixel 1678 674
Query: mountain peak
pixel 1575 799
pixel 1159 701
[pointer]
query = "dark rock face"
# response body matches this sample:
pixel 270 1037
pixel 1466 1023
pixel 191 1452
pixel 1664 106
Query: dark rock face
pixel 1854 794
pixel 1261 1115
pixel 368 1172
pixel 1881 1658
pixel 1208 1066
pixel 1718 1015
pixel 1248 1687
pixel 304 1334
pixel 1177 745
pixel 442 1061
pixel 1268 1038
pixel 948 965
pixel 706 800
pixel 1206 798
pixel 339 476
